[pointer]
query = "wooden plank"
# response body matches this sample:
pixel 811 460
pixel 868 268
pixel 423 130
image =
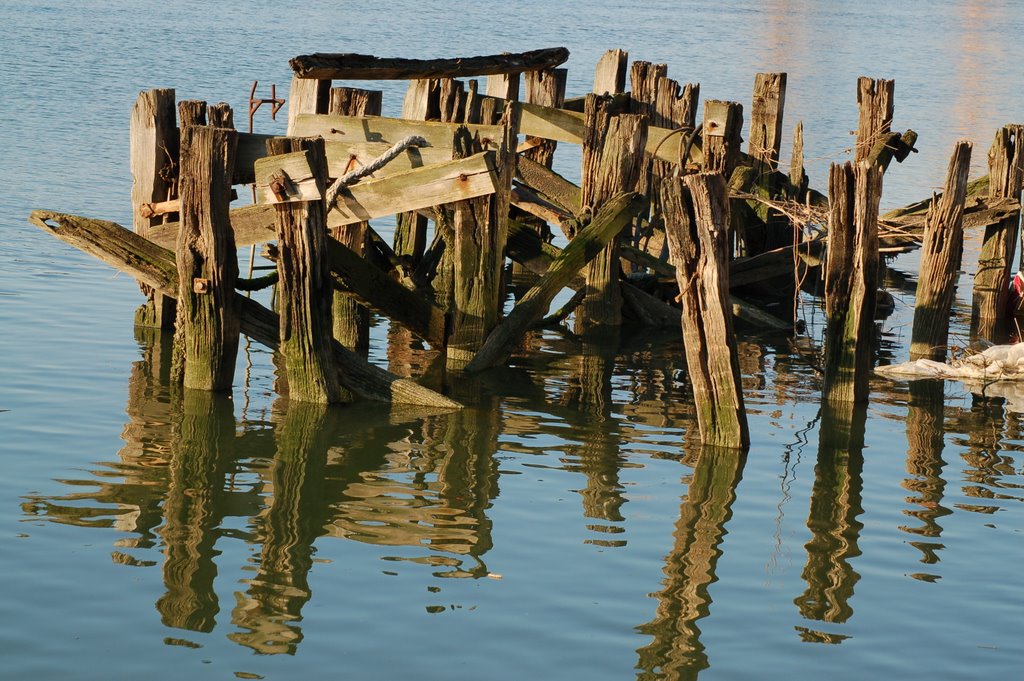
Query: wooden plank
pixel 421 188
pixel 143 260
pixel 549 184
pixel 389 130
pixel 367 67
pixel 286 178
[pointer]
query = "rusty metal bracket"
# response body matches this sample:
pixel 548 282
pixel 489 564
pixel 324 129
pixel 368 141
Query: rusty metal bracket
pixel 255 104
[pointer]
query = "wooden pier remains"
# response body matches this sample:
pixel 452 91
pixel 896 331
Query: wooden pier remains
pixel 673 224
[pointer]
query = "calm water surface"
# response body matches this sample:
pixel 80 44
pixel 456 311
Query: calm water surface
pixel 567 525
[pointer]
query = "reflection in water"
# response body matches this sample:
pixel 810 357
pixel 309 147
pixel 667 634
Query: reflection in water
pixel 296 516
pixel 925 439
pixel 835 530
pixel 201 453
pixel 676 651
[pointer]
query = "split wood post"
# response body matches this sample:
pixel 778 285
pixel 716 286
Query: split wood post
pixel 587 244
pixel 352 320
pixel 941 252
pixel 421 104
pixel 875 102
pixel 307 96
pixel 475 311
pixel 208 319
pixel 612 158
pixel 191 112
pixel 610 74
pixel 643 83
pixel 992 280
pixel 696 225
pixel 851 280
pixel 305 289
pixel 221 115
pixel 154 167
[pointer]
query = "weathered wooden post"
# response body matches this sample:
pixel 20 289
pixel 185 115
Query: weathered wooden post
pixel 766 114
pixel 797 174
pixel 610 73
pixel 612 160
pixel 546 88
pixel 352 320
pixel 723 123
pixel 154 156
pixel 851 276
pixel 875 106
pixel 696 226
pixel 992 280
pixel 191 112
pixel 307 96
pixel 421 104
pixel 474 312
pixel 305 288
pixel 941 252
pixel 208 319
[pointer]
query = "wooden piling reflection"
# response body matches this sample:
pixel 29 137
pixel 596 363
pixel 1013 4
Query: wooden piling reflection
pixel 690 569
pixel 833 520
pixel 269 611
pixel 203 447
pixel 925 442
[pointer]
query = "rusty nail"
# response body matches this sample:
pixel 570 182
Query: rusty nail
pixel 278 186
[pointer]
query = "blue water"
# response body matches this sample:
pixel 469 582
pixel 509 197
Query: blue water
pixel 568 525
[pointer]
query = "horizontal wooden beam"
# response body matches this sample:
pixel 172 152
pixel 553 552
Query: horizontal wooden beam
pixel 389 131
pixel 433 185
pixel 366 67
pixel 563 125
pixel 145 261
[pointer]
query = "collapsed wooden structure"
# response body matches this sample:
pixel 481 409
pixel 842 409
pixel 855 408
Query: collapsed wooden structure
pixel 672 222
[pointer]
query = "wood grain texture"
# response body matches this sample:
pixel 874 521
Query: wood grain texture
pixel 367 67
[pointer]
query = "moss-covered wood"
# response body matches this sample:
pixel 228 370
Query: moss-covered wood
pixel 207 321
pixel 304 288
pixel 851 280
pixel 150 263
pixel 696 224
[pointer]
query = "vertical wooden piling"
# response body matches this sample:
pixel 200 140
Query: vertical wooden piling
pixel 441 255
pixel 305 288
pixel 875 102
pixel 307 96
pixel 723 123
pixel 696 225
pixel 474 312
pixel 546 88
pixel 208 318
pixel 766 121
pixel 221 115
pixel 851 279
pixel 154 159
pixel 941 252
pixel 610 74
pixel 352 320
pixel 992 280
pixel 797 175
pixel 612 161
pixel 420 104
